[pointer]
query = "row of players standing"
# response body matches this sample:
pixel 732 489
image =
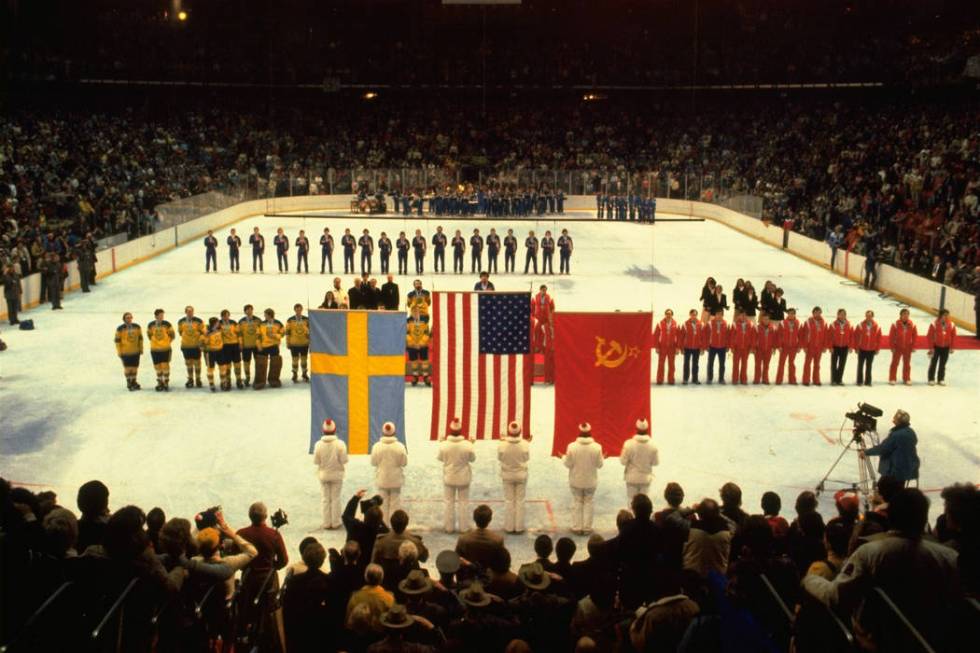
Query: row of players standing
pixel 626 207
pixel 419 245
pixel 470 202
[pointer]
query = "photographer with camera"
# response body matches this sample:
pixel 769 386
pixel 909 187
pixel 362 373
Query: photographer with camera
pixel 365 532
pixel 261 582
pixel 897 451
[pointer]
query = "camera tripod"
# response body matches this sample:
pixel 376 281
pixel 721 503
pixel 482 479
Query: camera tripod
pixel 867 479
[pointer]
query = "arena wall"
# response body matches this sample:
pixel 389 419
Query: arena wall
pixel 903 286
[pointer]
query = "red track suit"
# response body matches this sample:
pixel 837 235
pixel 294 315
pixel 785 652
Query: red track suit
pixel 901 340
pixel 867 343
pixel 941 335
pixel 542 312
pixel 693 338
pixel 666 338
pixel 741 339
pixel 841 339
pixel 766 339
pixel 815 338
pixel 717 347
pixel 789 345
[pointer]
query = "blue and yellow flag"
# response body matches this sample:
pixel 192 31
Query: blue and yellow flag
pixel 358 364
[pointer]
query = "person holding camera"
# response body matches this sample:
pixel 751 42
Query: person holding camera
pixel 365 532
pixel 261 582
pixel 330 457
pixel 898 455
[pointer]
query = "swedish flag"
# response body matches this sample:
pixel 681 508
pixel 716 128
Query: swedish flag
pixel 358 364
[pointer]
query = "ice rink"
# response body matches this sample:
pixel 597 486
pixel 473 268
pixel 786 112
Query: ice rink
pixel 66 416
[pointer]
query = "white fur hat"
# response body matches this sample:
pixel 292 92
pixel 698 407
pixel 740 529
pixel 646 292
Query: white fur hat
pixel 514 429
pixel 455 427
pixel 642 426
pixel 584 429
pixel 329 427
pixel 388 429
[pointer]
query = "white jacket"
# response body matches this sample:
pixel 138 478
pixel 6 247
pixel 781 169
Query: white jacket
pixel 639 456
pixel 583 460
pixel 513 454
pixel 330 457
pixel 456 453
pixel 389 457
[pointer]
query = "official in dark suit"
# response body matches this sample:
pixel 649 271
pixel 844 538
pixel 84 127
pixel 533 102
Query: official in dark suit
pixel 389 294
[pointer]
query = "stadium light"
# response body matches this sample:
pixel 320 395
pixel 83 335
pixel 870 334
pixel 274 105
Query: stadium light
pixel 182 16
pixel 370 95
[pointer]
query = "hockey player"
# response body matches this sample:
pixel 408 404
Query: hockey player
pixel 298 341
pixel 583 458
pixel 718 335
pixel 210 252
pixel 231 353
pixel 281 243
pixel 666 337
pixel 867 343
pixel 417 344
pixel 326 251
pixel 815 338
pixel 531 252
pixel 565 247
pixel 901 340
pixel 493 251
pixel 766 340
pixel 476 252
pixel 268 362
pixel 419 247
pixel 438 250
pixel 384 252
pixel 419 298
pixel 459 247
pixel 510 251
pixel 741 339
pixel 639 457
pixel 513 453
pixel 941 336
pixel 403 245
pixel 234 248
pixel 789 344
pixel 160 334
pixel 456 453
pixel 191 330
pixel 248 339
pixel 129 348
pixel 257 241
pixel 389 457
pixel 547 254
pixel 330 458
pixel 543 330
pixel 841 340
pixel 349 244
pixel 694 339
pixel 213 344
pixel 366 243
pixel 302 253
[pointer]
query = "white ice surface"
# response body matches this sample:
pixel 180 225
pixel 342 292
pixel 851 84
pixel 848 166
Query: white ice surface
pixel 66 417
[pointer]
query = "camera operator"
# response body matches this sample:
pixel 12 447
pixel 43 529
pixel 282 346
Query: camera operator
pixel 365 532
pixel 261 575
pixel 897 451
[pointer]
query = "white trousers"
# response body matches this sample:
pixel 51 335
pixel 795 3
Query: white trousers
pixel 330 505
pixel 632 489
pixel 514 492
pixel 582 508
pixel 392 497
pixel 455 516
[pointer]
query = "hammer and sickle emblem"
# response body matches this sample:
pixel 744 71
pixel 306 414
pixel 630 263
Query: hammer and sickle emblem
pixel 614 355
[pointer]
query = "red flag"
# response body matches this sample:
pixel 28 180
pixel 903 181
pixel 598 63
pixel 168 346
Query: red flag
pixel 602 376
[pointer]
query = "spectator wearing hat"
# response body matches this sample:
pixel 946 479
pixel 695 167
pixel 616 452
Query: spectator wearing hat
pixel 330 458
pixel 583 458
pixel 415 592
pixel 448 564
pixel 372 595
pixel 513 452
pixel 402 632
pixel 456 453
pixel 389 457
pixel 480 629
pixel 544 615
pixel 365 532
pixel 639 457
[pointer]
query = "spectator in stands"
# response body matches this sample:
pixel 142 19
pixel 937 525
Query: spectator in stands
pixel 771 505
pixel 543 548
pixel 304 604
pixel 365 532
pixel 480 546
pixel 387 545
pixel 709 541
pixel 372 595
pixel 731 505
pixel 503 582
pixel 93 502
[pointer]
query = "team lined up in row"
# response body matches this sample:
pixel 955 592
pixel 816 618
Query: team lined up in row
pixel 493 244
pixel 814 336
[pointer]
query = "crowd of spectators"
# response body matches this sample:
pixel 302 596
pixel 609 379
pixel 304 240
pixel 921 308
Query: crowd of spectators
pixel 706 577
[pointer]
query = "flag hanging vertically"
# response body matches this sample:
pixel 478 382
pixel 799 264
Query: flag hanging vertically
pixel 481 362
pixel 602 376
pixel 358 364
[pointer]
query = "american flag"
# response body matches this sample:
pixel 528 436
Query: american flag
pixel 481 362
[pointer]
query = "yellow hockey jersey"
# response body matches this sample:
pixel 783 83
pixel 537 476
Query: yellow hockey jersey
pixel 420 300
pixel 416 334
pixel 270 334
pixel 213 341
pixel 248 332
pixel 191 332
pixel 229 332
pixel 160 335
pixel 298 331
pixel 129 339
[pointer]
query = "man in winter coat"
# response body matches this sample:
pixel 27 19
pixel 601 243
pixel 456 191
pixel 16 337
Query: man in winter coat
pixel 815 338
pixel 666 340
pixel 693 339
pixel 766 339
pixel 867 343
pixel 330 458
pixel 901 340
pixel 583 458
pixel 942 334
pixel 841 339
pixel 456 453
pixel 388 457
pixel 741 339
pixel 513 452
pixel 639 457
pixel 899 457
pixel 789 345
